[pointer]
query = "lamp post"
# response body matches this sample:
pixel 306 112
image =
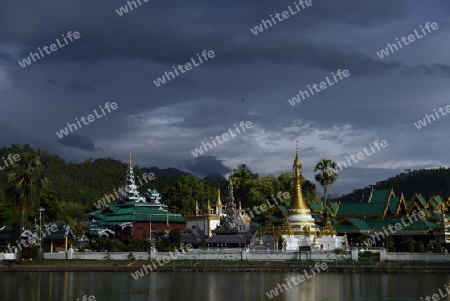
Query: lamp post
pixel 150 237
pixel 40 210
pixel 150 230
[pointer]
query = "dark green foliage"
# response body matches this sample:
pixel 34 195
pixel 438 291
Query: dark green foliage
pixel 253 190
pixel 87 182
pixel 437 248
pixel 428 182
pixel 420 247
pixel 362 239
pixel 367 255
pixel 389 244
pixel 411 247
pixel 170 242
pixel 327 175
pixel 138 245
pixel 103 244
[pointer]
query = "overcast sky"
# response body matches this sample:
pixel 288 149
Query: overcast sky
pixel 250 78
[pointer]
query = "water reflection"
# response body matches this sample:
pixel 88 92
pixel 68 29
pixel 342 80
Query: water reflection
pixel 68 286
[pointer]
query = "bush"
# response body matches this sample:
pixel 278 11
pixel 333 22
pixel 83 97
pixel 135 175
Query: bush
pixel 338 251
pixel 102 244
pixel 389 244
pixel 411 246
pixel 169 242
pixel 437 248
pixel 420 247
pixel 138 245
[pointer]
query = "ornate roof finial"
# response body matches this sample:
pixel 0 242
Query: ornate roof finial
pixel 296 139
pixel 130 160
pixel 218 202
pixel 230 190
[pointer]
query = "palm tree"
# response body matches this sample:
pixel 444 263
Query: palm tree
pixel 243 178
pixel 327 175
pixel 27 184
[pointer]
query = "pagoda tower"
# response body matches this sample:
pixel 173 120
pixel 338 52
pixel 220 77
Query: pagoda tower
pixel 129 192
pixel 299 228
pixel 298 214
pixel 219 206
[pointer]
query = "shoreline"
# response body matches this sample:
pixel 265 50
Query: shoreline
pixel 201 267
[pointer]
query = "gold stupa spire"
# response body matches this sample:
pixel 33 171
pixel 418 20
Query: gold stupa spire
pixel 218 203
pixel 130 160
pixel 297 201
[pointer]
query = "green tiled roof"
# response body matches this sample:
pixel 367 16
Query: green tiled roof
pixel 334 207
pixel 283 210
pixel 59 234
pixel 316 207
pixel 422 201
pixel 119 214
pixel 136 213
pixel 421 225
pixel 358 209
pixel 5 232
pixel 377 224
pixel 352 224
pixel 436 201
pixel 380 196
pixel 435 216
pixel 393 204
pixel 317 217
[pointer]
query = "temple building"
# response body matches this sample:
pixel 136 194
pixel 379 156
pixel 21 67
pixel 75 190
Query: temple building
pixel 291 225
pixel 225 226
pixel 132 216
pixel 206 220
pixel 233 230
pixel 381 209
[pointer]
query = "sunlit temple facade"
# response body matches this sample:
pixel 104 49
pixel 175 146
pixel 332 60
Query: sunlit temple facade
pixel 291 225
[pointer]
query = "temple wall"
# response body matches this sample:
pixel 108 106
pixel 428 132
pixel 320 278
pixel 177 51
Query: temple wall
pixel 236 254
pixel 232 254
pixel 416 257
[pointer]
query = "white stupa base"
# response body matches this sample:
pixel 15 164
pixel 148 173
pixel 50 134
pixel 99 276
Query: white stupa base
pixel 327 243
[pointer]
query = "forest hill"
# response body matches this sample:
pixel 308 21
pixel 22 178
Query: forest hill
pixel 10 158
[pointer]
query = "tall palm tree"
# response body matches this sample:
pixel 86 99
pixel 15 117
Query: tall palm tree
pixel 27 183
pixel 327 175
pixel 243 178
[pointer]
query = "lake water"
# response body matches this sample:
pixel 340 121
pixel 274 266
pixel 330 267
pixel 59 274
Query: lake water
pixel 70 286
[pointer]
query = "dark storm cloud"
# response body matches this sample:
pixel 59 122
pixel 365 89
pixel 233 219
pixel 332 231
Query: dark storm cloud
pixel 9 135
pixel 77 141
pixel 5 58
pixel 51 82
pixel 250 78
pixel 129 38
pixel 204 165
pixel 80 87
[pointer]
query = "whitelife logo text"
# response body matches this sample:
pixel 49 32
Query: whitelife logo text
pixel 35 56
pixel 391 48
pixel 224 136
pixel 162 80
pixel 90 118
